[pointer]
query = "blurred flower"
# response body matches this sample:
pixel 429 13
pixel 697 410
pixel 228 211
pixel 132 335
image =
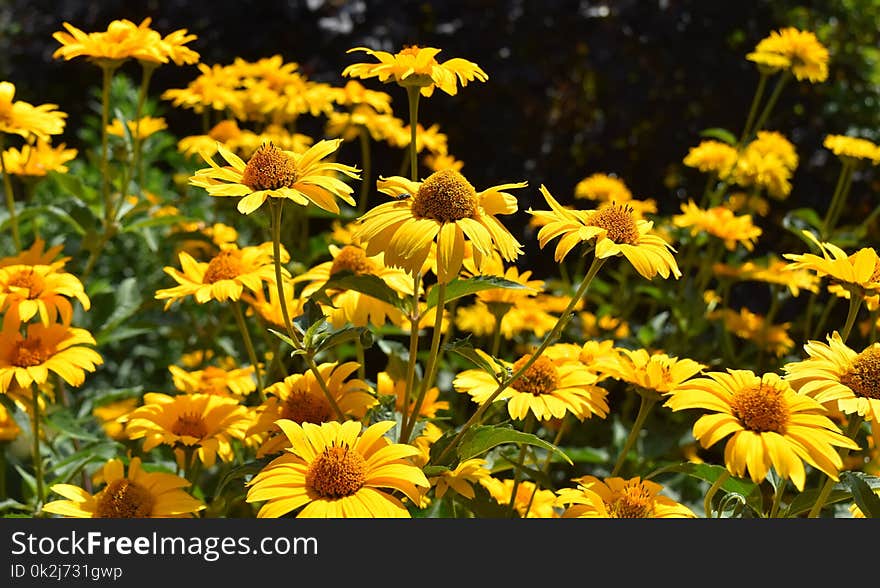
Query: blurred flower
pixel 860 271
pixel 237 382
pixel 617 498
pixel 437 162
pixel 23 118
pixel 603 188
pixel 712 156
pixel 37 160
pixel 530 501
pixel 113 415
pixel 148 126
pixel 745 324
pixel 719 222
pixel 461 479
pixel 853 149
pixel 794 50
pixel 9 429
pixel 655 371
pixel 387 386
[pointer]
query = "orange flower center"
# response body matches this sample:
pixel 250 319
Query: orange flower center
pixel 863 377
pixel 634 502
pixel 190 424
pixel 124 499
pixel 269 168
pixel 542 376
pixel 226 265
pixel 619 223
pixel 445 196
pixel 28 353
pixel 337 472
pixel 761 409
pixel 28 279
pixel 353 259
pixel 303 407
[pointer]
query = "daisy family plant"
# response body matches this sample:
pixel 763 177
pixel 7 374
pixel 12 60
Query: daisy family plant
pixel 282 328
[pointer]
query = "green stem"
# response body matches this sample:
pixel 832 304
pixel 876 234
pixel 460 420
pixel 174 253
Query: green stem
pixel 855 303
pixel 841 205
pixel 366 162
pixel 777 499
pixel 765 326
pixel 823 318
pixel 414 320
pixel 753 110
pixel 310 362
pixel 852 432
pixel 545 467
pixel 548 339
pixel 771 102
pixel 359 351
pixel 647 403
pixel 38 459
pixel 105 143
pixel 528 427
pixel 249 346
pixel 836 200
pixel 275 209
pixel 412 94
pixel 147 68
pixel 10 196
pixel 713 489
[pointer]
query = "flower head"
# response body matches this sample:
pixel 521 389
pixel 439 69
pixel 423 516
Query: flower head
pixel 797 51
pixel 720 222
pixel 37 160
pixel 859 270
pixel 617 498
pixel 58 348
pixel 23 118
pixel 853 149
pixel 39 290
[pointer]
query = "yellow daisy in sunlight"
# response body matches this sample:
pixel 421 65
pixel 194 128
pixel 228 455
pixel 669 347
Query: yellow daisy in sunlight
pixel 225 277
pixel 748 325
pixel 112 416
pixel 214 380
pixel 461 479
pixel 766 171
pixel 136 494
pixel 773 270
pixel 806 56
pixel 121 40
pixel 142 129
pixel 23 118
pixel 852 149
pixel 836 375
pixel 417 66
pixel 444 208
pixel 37 254
pixel 613 231
pixel 226 132
pixel 860 270
pixel 268 307
pixel 719 222
pixel 34 161
pixel 387 386
pixel 549 388
pixel 203 423
pixel 39 290
pixel 300 398
pixel 602 188
pixel 650 371
pixel 770 425
pixel 540 502
pixel 712 156
pixel 338 470
pixel 55 348
pixel 617 498
pixel 272 172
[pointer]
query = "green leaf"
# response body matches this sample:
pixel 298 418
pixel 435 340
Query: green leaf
pixel 73 185
pixel 583 455
pixel 367 284
pixel 802 218
pixel 156 221
pixel 64 422
pixel 283 337
pixel 344 335
pixel 128 301
pixel 864 496
pixel 458 288
pixel 721 134
pixel 464 348
pixel 710 473
pixel 482 438
pixel 434 470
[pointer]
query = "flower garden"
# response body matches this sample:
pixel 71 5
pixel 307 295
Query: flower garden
pixel 258 322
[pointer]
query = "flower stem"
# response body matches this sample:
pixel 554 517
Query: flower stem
pixel 713 489
pixel 38 460
pixel 836 200
pixel 528 427
pixel 545 467
pixel 777 499
pixel 414 320
pixel 366 162
pixel 412 94
pixel 10 196
pixel 771 102
pixel 841 205
pixel 275 209
pixel 105 142
pixel 753 110
pixel 137 169
pixel 855 303
pixel 548 339
pixel 249 345
pixel 852 432
pixel 647 403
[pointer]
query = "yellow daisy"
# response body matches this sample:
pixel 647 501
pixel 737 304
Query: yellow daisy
pixel 23 118
pixel 203 423
pixel 273 172
pixel 112 416
pixel 121 40
pixel 748 325
pixel 141 129
pixel 770 425
pixel 37 254
pixel 135 494
pixel 387 386
pixel 612 230
pixel 39 290
pixel 853 149
pixel 540 502
pixel 9 429
pixel 237 382
pixel 444 208
pixel 617 498
pixel 57 348
pixel 806 57
pixel 712 156
pixel 602 188
pixel 719 222
pixel 549 388
pixel 338 470
pixel 860 270
pixel 417 66
pixel 461 479
pixel 650 371
pixel 37 160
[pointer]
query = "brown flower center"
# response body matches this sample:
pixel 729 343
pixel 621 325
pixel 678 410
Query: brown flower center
pixel 269 168
pixel 761 409
pixel 303 407
pixel 634 502
pixel 226 265
pixel 28 353
pixel 124 499
pixel 863 377
pixel 353 259
pixel 445 196
pixel 619 223
pixel 28 279
pixel 541 377
pixel 190 424
pixel 337 472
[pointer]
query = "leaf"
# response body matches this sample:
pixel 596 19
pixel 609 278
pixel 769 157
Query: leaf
pixel 464 348
pixel 864 496
pixel 583 455
pixel 482 438
pixel 128 301
pixel 344 335
pixel 73 185
pixel 55 211
pixel 367 284
pixel 802 218
pixel 156 221
pixel 721 134
pixel 710 473
pixel 64 422
pixel 398 357
pixel 434 470
pixel 458 288
pixel 283 337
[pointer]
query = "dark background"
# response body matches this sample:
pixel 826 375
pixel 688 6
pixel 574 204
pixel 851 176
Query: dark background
pixel 574 88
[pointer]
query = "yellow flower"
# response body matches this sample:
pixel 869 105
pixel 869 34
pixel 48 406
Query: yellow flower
pixel 57 348
pixel 238 382
pixel 338 470
pixel 712 156
pixel 603 188
pixel 719 222
pixel 853 149
pixel 765 171
pixel 113 415
pixel 122 40
pixel 859 271
pixel 226 132
pixel 745 324
pixel 9 429
pixel 612 230
pixel 213 88
pixel 656 371
pixel 354 94
pixel 461 479
pixel 437 162
pixel 387 386
pixel 272 172
pixel 300 398
pixel 269 307
pixel 225 277
pixel 444 208
pixel 417 66
pixel 37 254
pixel 839 377
pixel 770 425
pixel 773 271
pixel 37 160
pixel 30 290
pixel 806 57
pixel 530 501
pixel 549 388
pixel 204 423
pixel 617 498
pixel 774 143
pixel 431 138
pixel 148 126
pixel 134 495
pixel 23 118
